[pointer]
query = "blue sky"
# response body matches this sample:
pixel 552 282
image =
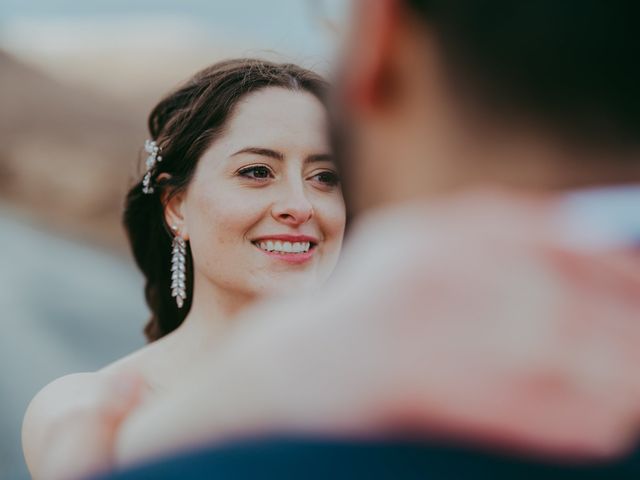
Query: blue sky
pixel 291 26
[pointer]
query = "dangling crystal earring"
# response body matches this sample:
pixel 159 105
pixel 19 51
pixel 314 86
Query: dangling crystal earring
pixel 178 274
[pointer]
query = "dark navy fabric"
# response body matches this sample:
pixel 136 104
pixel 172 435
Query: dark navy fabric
pixel 310 459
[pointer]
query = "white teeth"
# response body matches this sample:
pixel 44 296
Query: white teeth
pixel 301 247
pixel 284 247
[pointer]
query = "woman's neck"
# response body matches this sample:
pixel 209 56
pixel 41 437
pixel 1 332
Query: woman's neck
pixel 212 313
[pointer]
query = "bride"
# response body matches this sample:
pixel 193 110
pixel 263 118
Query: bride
pixel 240 201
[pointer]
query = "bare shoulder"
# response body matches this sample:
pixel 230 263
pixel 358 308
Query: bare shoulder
pixel 64 398
pixel 79 397
pixel 56 401
pixel 72 391
pixel 63 392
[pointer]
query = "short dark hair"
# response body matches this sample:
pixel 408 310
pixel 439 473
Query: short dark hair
pixel 573 64
pixel 184 124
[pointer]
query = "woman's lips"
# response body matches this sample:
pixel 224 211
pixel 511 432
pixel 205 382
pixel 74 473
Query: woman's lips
pixel 295 258
pixel 290 248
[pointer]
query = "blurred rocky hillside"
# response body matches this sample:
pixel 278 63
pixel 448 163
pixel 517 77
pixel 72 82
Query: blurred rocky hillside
pixel 67 153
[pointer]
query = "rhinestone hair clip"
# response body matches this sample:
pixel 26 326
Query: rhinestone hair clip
pixel 152 148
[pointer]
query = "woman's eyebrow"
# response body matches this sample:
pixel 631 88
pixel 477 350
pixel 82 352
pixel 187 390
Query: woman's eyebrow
pixel 266 152
pixel 320 157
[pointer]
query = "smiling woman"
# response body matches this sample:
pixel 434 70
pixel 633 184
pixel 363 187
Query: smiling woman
pixel 241 200
pixel 245 156
pixel 269 178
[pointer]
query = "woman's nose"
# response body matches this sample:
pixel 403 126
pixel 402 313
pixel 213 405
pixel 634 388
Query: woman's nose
pixel 293 208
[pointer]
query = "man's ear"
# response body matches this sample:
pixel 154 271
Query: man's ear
pixel 174 208
pixel 368 56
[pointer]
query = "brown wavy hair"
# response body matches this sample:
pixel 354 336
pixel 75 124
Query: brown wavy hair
pixel 184 124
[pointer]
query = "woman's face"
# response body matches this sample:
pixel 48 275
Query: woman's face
pixel 264 211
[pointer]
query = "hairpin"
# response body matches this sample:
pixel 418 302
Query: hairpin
pixel 152 148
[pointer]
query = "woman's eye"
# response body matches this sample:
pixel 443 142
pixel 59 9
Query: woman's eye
pixel 327 178
pixel 258 172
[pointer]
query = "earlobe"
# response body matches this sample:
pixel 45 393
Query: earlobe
pixel 174 215
pixel 174 203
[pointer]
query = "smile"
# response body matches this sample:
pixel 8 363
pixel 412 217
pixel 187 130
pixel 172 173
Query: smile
pixel 294 249
pixel 277 246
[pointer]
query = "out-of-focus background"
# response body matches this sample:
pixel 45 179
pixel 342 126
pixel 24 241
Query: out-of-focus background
pixel 77 80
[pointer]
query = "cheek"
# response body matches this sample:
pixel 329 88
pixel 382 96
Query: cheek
pixel 219 223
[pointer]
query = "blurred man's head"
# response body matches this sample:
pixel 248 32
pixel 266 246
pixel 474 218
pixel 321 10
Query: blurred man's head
pixel 436 95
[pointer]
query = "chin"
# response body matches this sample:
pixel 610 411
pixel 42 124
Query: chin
pixel 287 285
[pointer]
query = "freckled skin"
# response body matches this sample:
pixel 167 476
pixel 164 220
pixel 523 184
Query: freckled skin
pixel 224 209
